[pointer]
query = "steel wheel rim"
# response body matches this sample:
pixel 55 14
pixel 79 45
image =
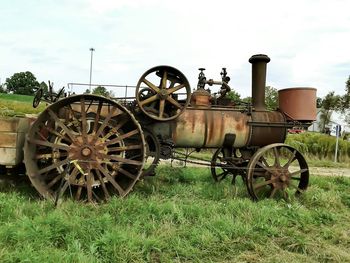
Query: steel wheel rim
pixel 277 177
pixel 85 145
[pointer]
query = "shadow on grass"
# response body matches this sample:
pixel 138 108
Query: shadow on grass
pixel 14 180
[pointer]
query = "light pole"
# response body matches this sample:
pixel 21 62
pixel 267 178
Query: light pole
pixel 92 50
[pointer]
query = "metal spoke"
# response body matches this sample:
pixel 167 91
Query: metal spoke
pixel 259 185
pixel 120 124
pixel 120 159
pixel 164 79
pixel 174 102
pixel 88 178
pixel 121 137
pixel 55 180
pixel 269 169
pixel 53 166
pixel 151 85
pixel 104 188
pixel 264 161
pixel 60 135
pixel 97 117
pixel 174 89
pixel 273 192
pixel 124 148
pixel 54 155
pixel 105 122
pixel 111 180
pixel 62 189
pixel 83 119
pixel 277 156
pixel 148 100
pixel 298 172
pixel 61 124
pixel 78 193
pixel 291 159
pixel 73 175
pixel 161 108
pixel 131 176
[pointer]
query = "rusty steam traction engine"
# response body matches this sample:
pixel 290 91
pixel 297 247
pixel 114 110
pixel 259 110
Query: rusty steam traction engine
pixel 92 147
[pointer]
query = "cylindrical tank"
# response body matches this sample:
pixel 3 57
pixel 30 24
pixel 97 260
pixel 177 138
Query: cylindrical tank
pixel 298 103
pixel 206 128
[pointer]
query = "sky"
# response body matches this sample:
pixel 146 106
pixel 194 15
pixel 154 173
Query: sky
pixel 308 41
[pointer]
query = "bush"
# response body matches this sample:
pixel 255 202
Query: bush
pixel 321 146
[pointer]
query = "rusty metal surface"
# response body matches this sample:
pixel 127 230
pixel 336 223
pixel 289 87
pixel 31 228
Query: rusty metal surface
pixel 205 128
pixel 200 98
pixel 298 103
pixel 86 154
pixel 259 80
pixel 266 133
pixel 277 169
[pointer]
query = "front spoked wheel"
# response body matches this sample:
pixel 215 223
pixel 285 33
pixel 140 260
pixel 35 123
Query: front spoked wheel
pixel 277 171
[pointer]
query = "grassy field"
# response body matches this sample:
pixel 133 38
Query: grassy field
pixel 18 105
pixel 180 215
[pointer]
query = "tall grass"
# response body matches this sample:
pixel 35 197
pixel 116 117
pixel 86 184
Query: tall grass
pixel 320 146
pixel 180 215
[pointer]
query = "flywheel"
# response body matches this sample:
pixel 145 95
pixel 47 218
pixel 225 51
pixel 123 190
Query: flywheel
pixel 163 93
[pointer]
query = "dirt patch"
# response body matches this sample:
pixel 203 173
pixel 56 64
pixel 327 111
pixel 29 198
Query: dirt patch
pixel 325 171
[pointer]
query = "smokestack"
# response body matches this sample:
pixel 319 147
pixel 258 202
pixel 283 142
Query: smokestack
pixel 259 80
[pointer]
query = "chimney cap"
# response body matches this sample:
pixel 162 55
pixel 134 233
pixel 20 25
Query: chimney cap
pixel 259 58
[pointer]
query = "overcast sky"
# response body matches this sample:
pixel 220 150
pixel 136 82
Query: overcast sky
pixel 308 41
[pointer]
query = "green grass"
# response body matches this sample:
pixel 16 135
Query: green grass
pixel 180 215
pixel 16 97
pixel 18 105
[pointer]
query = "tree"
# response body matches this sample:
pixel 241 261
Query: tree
pixel 87 91
pixel 22 83
pixel 346 98
pixel 247 99
pixel 329 103
pixel 2 89
pixel 233 95
pixel 271 98
pixel 99 90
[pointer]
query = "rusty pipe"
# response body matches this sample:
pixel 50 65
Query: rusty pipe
pixel 259 80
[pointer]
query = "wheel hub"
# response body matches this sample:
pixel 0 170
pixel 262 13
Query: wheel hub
pixel 281 178
pixel 86 152
pixel 163 94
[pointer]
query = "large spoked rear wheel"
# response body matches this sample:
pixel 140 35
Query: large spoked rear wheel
pixel 276 171
pixel 85 146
